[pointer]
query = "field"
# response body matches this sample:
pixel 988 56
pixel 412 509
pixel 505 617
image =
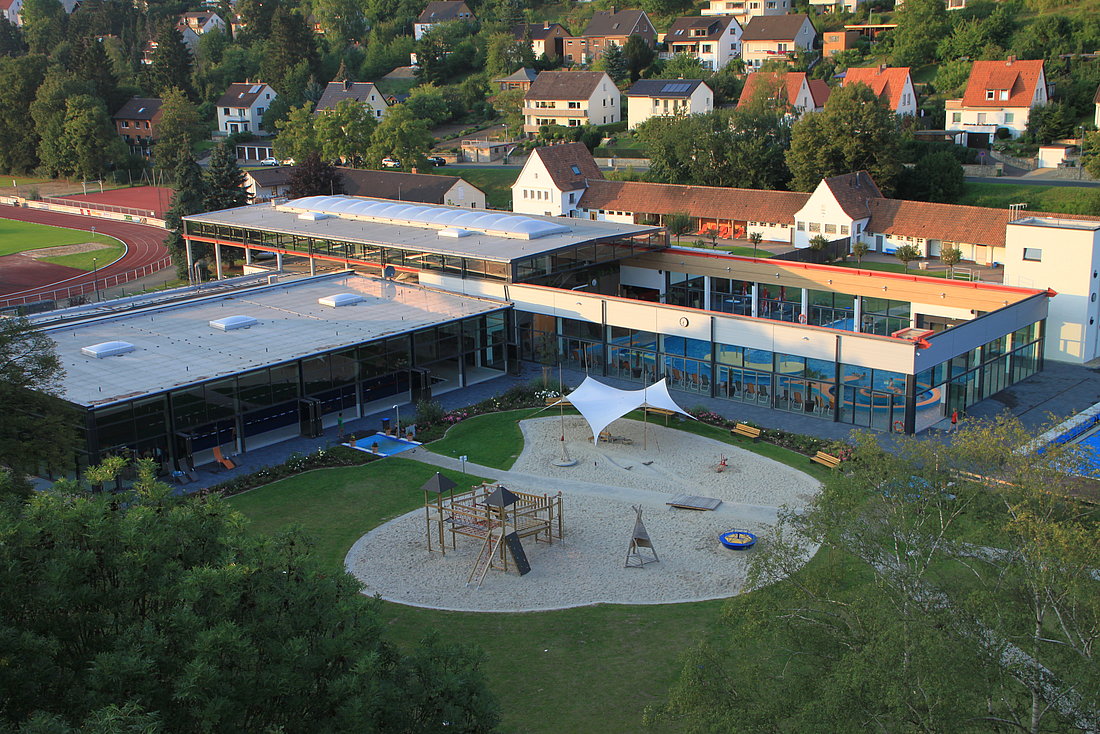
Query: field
pixel 495 182
pixel 18 237
pixel 1061 199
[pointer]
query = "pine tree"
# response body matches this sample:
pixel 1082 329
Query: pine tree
pixel 224 181
pixel 91 63
pixel 290 43
pixel 171 61
pixel 614 63
pixel 314 176
pixel 188 199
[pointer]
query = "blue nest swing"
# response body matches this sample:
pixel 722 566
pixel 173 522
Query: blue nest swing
pixel 737 539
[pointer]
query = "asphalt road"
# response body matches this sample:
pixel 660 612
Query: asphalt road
pixel 1032 181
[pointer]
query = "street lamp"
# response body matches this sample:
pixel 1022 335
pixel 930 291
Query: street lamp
pixel 95 281
pixel 398 409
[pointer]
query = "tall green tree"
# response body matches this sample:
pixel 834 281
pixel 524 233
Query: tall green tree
pixel 922 24
pixel 937 177
pixel 189 197
pixel 341 20
pixel 344 134
pixel 855 131
pixel 504 55
pixel 404 136
pixel 179 128
pixel 613 62
pixel 11 39
pixel 37 427
pixel 161 611
pixel 289 44
pixel 44 24
pixel 20 78
pixel 171 62
pixel 223 180
pixel 638 55
pixel 48 111
pixel 91 63
pixel 297 137
pixel 315 176
pixel 89 135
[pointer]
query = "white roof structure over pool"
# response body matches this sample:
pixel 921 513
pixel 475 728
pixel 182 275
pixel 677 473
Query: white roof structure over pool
pixel 446 230
pixel 602 404
pixel 178 345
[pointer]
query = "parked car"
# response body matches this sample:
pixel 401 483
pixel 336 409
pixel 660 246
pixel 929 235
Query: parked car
pixel 436 160
pixel 391 163
pixel 269 162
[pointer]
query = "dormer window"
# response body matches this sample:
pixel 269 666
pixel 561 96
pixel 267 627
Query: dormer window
pixel 990 94
pixel 1004 94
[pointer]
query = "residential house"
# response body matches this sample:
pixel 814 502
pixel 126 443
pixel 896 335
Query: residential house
pixel 1096 109
pixel 714 41
pixel 241 109
pixel 519 79
pixel 667 98
pixel 743 10
pixel 768 38
pixel 366 93
pixel 836 6
pixel 421 188
pixel 572 99
pixel 999 95
pixel 136 123
pixel 790 89
pixel 607 29
pixel 833 42
pixel 265 184
pixel 187 33
pixel 892 83
pixel 546 38
pixel 203 21
pixel 11 9
pixel 553 179
pixel 440 11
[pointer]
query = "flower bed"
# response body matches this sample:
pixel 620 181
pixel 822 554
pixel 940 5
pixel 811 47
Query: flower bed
pixel 296 464
pixel 803 444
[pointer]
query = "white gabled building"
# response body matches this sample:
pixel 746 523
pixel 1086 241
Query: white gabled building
pixel 999 94
pixel 714 41
pixel 440 11
pixel 667 98
pixel 241 109
pixel 790 90
pixel 553 180
pixel 744 10
pixel 571 99
pixel 775 38
pixel 365 93
pixel 892 83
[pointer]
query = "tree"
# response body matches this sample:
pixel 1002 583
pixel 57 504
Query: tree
pixel 188 198
pixel 860 249
pixel 314 176
pixel 171 62
pixel 921 26
pixel 711 233
pixel 403 136
pixel 950 256
pixel 907 254
pixel 150 609
pixel 11 39
pixel 504 55
pixel 613 62
pixel 678 224
pixel 818 243
pixel 755 238
pixel 49 109
pixel 89 135
pixel 20 79
pixel 289 44
pixel 428 103
pixel 179 127
pixel 37 425
pixel 639 55
pixel 341 19
pixel 509 105
pixel 43 25
pixel 91 63
pixel 855 131
pixel 344 133
pixel 885 628
pixel 223 180
pixel 297 137
pixel 666 7
pixel 684 66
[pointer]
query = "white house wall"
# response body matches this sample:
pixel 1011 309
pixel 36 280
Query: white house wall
pixel 642 277
pixel 821 209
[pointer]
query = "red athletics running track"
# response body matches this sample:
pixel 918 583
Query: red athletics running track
pixel 26 277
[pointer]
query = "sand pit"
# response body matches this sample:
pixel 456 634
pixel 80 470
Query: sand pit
pixel 587 568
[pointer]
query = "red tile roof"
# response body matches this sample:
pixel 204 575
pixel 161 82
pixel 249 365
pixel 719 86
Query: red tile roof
pixel 820 92
pixel 854 191
pixel 565 84
pixel 1018 78
pixel 885 82
pixel 976 225
pixel 569 165
pixel 767 83
pixel 710 202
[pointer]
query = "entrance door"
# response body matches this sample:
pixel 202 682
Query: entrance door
pixel 309 417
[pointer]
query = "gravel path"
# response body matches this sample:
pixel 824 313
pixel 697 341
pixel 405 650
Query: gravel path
pixel 587 568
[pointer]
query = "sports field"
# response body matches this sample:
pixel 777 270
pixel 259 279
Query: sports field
pixel 17 237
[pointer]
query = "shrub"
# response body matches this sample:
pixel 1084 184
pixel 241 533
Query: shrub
pixel 428 412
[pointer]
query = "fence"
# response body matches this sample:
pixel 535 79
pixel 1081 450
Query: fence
pixel 86 209
pixel 77 294
pixel 834 250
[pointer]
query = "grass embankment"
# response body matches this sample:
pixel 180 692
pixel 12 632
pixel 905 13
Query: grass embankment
pixel 495 182
pixel 493 439
pixel 18 237
pixel 1061 199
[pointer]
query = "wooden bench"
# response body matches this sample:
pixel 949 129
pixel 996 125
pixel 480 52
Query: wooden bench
pixel 661 411
pixel 747 431
pixel 554 401
pixel 826 460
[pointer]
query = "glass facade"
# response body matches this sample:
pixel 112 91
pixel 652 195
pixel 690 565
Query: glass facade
pixel 872 398
pixel 281 401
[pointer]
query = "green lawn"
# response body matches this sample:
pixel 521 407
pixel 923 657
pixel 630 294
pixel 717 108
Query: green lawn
pixel 336 506
pixel 1061 199
pixel 894 267
pixel 495 182
pixel 89 260
pixel 493 439
pixel 743 251
pixel 21 236
pixel 8 180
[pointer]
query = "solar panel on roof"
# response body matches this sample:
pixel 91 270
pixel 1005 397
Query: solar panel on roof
pixel 255 88
pixel 675 88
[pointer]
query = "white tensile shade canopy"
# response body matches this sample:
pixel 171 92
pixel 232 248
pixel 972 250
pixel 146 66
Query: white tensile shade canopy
pixel 602 404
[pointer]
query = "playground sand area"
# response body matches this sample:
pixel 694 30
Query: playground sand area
pixel 587 566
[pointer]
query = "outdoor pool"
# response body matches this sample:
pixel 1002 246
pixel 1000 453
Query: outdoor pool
pixel 386 445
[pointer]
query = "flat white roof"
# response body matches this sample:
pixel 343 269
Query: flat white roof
pixel 1057 223
pixel 555 233
pixel 175 345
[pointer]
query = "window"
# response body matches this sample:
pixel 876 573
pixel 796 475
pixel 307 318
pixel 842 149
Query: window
pixel 260 111
pixel 126 123
pixel 830 229
pixel 844 229
pixel 525 193
pixel 1010 117
pixel 956 117
pixel 225 111
pixel 801 226
pixel 574 105
pixel 1033 254
pixel 1004 95
pixel 815 227
pixel 990 94
pixel 572 197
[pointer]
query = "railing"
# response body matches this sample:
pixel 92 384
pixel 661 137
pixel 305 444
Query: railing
pixel 77 292
pixel 62 201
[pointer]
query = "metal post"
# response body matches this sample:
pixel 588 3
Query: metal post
pixel 95 278
pixel 398 427
pixel 218 258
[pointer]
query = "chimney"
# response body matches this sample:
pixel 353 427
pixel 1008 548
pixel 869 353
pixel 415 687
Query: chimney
pixel 413 170
pixel 347 84
pixel 546 25
pixel 882 67
pixel 1009 60
pixel 612 9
